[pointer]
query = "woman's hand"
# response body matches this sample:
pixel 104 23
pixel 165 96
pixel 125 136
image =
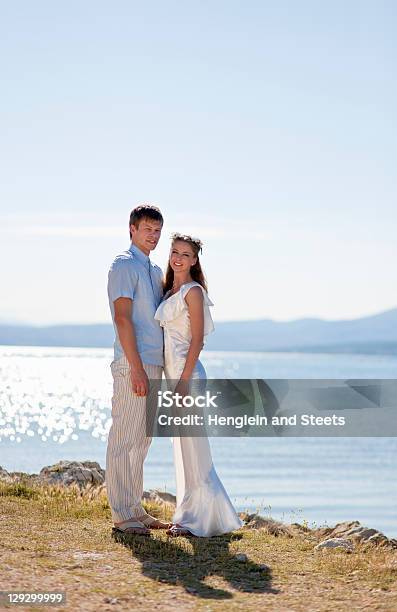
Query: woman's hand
pixel 183 387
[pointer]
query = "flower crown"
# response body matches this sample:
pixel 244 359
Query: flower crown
pixel 187 238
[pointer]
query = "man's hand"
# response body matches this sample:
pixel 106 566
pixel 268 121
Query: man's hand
pixel 140 382
pixel 125 328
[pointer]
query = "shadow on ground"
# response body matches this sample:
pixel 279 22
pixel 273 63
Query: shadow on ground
pixel 171 561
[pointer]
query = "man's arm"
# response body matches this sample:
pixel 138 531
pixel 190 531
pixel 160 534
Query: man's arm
pixel 125 328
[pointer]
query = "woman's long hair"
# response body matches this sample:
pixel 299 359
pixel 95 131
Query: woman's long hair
pixel 196 272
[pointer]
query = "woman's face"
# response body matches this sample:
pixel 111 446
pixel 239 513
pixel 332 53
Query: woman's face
pixel 182 256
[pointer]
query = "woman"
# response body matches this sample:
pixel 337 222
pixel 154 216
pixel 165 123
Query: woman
pixel 203 507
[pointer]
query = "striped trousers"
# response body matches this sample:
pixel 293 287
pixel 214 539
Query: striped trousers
pixel 129 440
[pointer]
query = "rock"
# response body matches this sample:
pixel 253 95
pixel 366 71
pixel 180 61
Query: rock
pixel 335 543
pixel 69 472
pixel 360 533
pixel 345 526
pixel 4 475
pixel 355 532
pixel 339 530
pixel 111 600
pixel 242 557
pixel 271 526
pixel 159 497
pixel 378 538
pixel 300 527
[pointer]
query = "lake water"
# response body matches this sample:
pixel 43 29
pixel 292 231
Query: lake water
pixel 55 403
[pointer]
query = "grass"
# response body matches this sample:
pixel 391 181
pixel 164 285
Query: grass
pixel 59 538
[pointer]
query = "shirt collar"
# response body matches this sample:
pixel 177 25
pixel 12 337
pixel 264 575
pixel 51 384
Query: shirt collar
pixel 139 254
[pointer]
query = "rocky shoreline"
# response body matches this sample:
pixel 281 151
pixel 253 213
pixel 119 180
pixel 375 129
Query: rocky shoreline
pixel 90 477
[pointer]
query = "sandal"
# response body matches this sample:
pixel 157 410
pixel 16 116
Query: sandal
pixel 153 523
pixel 134 527
pixel 177 530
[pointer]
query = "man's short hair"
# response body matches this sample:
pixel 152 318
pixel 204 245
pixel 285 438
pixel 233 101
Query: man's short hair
pixel 145 211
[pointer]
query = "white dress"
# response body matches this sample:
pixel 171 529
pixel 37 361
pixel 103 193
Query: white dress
pixel 202 504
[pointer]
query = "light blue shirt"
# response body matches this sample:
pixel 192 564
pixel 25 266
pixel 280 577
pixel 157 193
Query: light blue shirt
pixel 133 275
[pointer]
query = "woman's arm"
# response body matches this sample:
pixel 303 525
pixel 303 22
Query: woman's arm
pixel 195 303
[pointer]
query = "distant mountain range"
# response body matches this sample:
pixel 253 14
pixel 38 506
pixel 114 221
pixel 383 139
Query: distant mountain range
pixel 376 334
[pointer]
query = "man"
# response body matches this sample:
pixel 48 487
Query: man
pixel 134 291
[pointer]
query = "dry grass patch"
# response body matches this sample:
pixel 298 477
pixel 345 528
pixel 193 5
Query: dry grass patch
pixel 53 537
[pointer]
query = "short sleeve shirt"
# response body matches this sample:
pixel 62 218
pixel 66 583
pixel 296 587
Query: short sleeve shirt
pixel 133 275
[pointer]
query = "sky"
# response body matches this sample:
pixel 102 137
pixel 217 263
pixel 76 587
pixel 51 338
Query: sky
pixel 268 129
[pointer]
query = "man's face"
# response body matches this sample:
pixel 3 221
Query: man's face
pixel 146 235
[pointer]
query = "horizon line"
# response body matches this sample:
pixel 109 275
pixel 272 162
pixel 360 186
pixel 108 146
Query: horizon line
pixel 10 323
